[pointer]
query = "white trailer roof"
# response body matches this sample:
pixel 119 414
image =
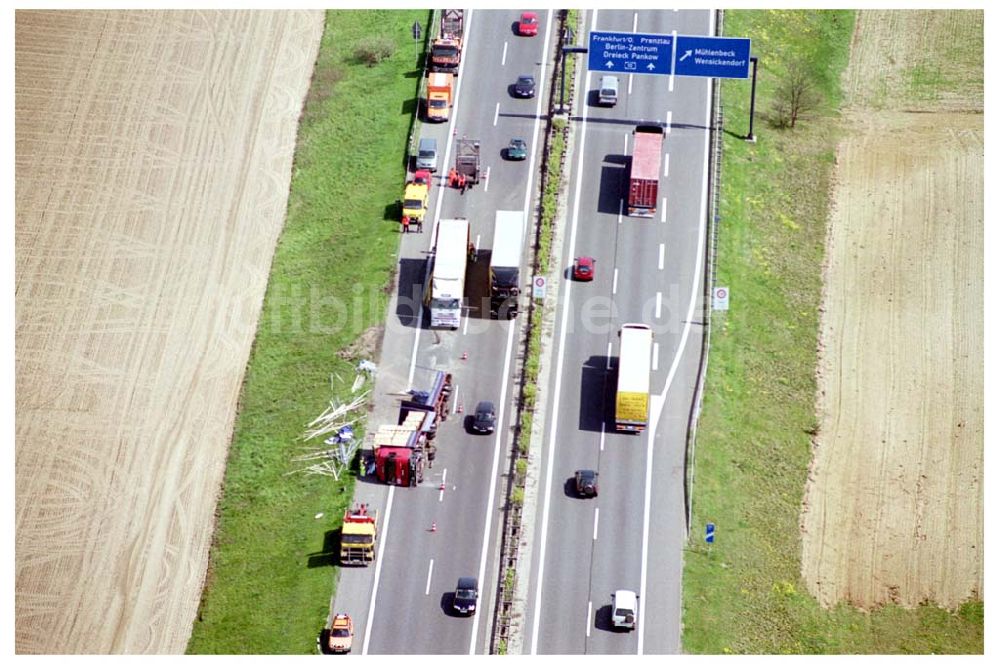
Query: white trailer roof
pixel 508 235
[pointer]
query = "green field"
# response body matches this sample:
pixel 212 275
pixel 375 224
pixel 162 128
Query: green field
pixel 271 572
pixel 743 593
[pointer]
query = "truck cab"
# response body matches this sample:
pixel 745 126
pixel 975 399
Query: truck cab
pixel 415 202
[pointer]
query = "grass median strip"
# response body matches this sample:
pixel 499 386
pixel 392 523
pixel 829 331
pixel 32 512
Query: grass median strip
pixel 271 570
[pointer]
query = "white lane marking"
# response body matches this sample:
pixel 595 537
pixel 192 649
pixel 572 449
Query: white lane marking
pixel 656 355
pixel 486 186
pixel 614 283
pixel 670 120
pixel 662 249
pixel 655 415
pixel 603 433
pixel 659 303
pixel 609 357
pixel 510 345
pixel 673 56
pixel 378 570
pixel 666 165
pixel 444 475
pixel 597 515
pixel 663 211
pixel 557 389
pixel 503 58
pixel 621 209
pixel 630 84
pixel 635 21
pixel 496 115
pixel 487 528
pixel 590 609
pixel 457 399
pixel 430 570
pixel 625 149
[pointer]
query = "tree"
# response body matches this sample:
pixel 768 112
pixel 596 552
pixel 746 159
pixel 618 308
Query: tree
pixel 795 96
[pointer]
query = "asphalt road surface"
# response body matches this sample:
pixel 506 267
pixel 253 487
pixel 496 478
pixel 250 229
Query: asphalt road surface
pixel 401 605
pixel 648 271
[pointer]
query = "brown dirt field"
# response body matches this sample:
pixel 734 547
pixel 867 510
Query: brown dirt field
pixel 893 511
pixel 153 155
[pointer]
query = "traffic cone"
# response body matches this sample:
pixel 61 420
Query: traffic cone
pixel 434 527
pixel 465 356
pixel 458 407
pixel 441 487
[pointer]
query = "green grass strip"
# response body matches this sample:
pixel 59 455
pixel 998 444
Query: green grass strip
pixel 743 594
pixel 271 572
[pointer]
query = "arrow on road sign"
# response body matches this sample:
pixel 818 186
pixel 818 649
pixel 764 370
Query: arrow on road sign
pixel 686 54
pixel 609 64
pixel 651 67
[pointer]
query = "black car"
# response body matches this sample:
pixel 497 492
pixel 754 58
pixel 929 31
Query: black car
pixel 466 595
pixel 524 86
pixel 485 419
pixel 586 483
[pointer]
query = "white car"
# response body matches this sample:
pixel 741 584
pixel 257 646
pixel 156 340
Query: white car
pixel 624 609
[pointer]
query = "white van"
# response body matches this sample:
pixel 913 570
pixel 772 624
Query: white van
pixel 624 608
pixel 607 93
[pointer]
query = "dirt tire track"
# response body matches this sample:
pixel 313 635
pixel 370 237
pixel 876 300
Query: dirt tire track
pixel 893 510
pixel 153 155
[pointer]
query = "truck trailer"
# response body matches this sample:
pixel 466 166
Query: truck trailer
pixel 446 272
pixel 644 173
pixel 505 263
pixel 467 159
pixel 634 361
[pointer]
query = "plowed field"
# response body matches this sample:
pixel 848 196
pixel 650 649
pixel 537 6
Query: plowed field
pixel 153 160
pixel 894 506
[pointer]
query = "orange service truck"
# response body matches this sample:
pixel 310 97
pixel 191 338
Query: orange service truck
pixel 439 96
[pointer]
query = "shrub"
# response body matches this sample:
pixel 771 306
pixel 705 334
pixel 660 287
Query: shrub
pixel 374 49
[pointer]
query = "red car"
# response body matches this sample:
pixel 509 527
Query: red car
pixel 583 269
pixel 422 177
pixel 528 25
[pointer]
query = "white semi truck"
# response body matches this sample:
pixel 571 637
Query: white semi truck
pixel 505 263
pixel 447 273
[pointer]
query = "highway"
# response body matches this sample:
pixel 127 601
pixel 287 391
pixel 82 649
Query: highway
pixel 648 271
pixel 401 604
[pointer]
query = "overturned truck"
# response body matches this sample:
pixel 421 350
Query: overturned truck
pixel 401 451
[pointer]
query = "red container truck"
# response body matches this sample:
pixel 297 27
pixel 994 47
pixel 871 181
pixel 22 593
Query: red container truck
pixel 644 174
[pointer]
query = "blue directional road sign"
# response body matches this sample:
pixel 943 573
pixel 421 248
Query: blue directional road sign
pixel 709 532
pixel 719 57
pixel 630 53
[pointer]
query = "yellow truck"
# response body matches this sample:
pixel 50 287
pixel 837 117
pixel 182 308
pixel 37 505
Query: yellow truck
pixel 439 99
pixel 415 202
pixel 634 361
pixel 358 536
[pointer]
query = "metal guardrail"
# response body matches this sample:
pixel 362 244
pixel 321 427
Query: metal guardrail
pixel 711 248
